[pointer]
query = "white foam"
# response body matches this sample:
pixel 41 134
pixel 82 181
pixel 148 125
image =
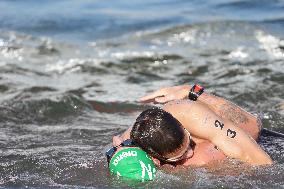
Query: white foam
pixel 238 54
pixel 132 54
pixel 183 37
pixel 62 65
pixel 270 44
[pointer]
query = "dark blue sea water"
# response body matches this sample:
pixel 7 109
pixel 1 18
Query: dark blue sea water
pixel 71 73
pixel 92 20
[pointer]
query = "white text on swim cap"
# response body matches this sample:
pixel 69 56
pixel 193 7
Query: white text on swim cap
pixel 148 169
pixel 123 155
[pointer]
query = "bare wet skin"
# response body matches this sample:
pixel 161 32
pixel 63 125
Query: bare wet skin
pixel 68 84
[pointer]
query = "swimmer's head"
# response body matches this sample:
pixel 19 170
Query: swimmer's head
pixel 129 161
pixel 161 135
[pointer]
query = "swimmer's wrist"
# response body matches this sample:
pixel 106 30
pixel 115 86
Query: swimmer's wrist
pixel 184 91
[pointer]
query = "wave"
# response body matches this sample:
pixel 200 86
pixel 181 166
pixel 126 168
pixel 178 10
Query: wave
pixel 53 109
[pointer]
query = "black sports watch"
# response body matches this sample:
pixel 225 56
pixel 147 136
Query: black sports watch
pixel 195 92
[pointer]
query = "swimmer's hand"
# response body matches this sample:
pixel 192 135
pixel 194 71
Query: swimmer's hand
pixel 167 94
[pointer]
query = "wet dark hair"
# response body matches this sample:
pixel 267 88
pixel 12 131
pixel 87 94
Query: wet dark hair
pixel 157 132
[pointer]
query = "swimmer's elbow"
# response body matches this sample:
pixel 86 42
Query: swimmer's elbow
pixel 259 163
pixel 265 161
pixel 269 162
pixel 262 159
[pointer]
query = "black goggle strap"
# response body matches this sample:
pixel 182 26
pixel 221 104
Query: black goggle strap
pixel 110 153
pixel 156 155
pixel 128 142
pixel 112 150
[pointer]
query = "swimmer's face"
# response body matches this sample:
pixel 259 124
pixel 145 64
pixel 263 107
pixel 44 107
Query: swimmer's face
pixel 184 152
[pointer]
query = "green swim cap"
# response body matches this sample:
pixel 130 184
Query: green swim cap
pixel 133 163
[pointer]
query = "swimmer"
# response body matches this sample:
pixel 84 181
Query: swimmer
pixel 196 128
pixel 129 161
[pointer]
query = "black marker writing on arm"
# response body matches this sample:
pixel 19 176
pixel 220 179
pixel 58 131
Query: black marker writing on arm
pixel 219 124
pixel 230 133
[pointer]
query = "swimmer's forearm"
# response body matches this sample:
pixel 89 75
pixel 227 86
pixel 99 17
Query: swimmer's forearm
pixel 226 109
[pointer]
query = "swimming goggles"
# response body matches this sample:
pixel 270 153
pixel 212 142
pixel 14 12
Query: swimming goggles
pixel 173 159
pixel 111 151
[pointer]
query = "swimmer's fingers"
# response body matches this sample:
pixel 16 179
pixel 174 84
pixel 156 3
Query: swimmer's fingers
pixel 176 95
pixel 151 97
pixel 167 94
pixel 165 99
pixel 163 92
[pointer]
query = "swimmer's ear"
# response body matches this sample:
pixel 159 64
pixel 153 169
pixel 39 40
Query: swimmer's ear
pixel 116 140
pixel 156 161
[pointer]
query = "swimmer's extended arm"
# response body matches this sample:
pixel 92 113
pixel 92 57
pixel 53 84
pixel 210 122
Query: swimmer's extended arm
pixel 233 141
pixel 222 107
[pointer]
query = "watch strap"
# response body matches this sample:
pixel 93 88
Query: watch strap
pixel 195 92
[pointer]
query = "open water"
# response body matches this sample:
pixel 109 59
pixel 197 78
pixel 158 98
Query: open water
pixel 71 73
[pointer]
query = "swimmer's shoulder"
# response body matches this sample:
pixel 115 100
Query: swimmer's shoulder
pixel 204 154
